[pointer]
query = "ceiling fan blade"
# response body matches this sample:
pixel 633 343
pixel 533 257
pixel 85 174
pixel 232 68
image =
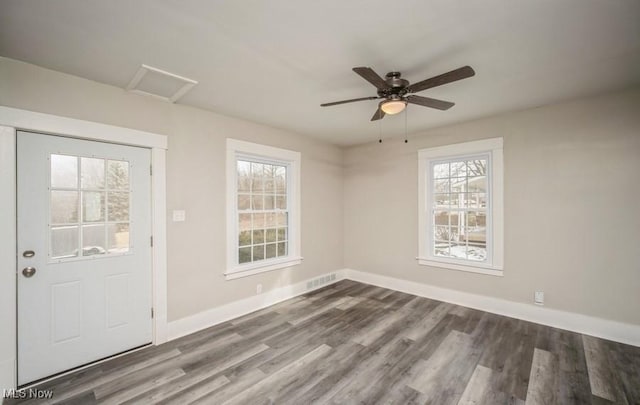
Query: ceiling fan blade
pixel 378 115
pixel 454 75
pixel 430 102
pixel 348 101
pixel 372 77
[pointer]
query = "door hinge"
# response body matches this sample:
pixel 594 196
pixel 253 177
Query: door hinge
pixel 151 170
pixel 151 241
pixel 152 313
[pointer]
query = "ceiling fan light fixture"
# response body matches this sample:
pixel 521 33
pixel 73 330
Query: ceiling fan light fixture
pixel 393 106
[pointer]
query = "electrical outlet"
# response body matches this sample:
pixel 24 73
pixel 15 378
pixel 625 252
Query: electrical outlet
pixel 259 289
pixel 538 298
pixel 179 215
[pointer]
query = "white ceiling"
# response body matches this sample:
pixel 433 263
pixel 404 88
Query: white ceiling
pixel 275 61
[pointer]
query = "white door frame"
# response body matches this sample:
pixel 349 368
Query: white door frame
pixel 13 119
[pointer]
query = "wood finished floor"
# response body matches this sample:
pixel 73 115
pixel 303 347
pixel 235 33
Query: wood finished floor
pixel 355 343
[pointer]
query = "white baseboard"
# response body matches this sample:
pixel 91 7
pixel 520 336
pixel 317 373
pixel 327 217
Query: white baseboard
pixel 588 325
pixel 217 315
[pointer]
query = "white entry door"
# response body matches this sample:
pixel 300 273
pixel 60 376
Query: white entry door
pixel 84 253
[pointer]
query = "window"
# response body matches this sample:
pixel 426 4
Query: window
pixel 89 206
pixel 262 208
pixel 460 217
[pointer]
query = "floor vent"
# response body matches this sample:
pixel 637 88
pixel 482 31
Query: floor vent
pixel 320 281
pixel 160 84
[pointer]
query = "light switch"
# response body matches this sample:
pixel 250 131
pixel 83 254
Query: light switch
pixel 179 215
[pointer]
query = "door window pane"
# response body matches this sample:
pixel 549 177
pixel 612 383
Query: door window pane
pixel 118 206
pixel 92 206
pixel 64 207
pixel 93 242
pixel 118 238
pixel 64 171
pixel 64 241
pixel 92 173
pixel 118 175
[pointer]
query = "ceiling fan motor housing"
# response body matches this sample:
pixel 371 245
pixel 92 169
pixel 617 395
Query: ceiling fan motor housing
pixel 397 84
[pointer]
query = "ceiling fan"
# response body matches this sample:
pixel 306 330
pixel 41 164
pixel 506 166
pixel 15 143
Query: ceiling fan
pixel 394 90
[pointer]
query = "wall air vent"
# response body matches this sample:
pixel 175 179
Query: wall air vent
pixel 160 84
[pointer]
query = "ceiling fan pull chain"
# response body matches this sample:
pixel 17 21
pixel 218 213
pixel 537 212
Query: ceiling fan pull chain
pixel 406 112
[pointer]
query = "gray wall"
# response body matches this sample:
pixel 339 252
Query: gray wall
pixel 196 181
pixel 572 206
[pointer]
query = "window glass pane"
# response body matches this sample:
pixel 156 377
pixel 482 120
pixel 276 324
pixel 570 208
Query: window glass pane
pixel 93 242
pixel 477 167
pixel 244 238
pixel 282 234
pixel 258 236
pixel 441 171
pixel 441 218
pixel 477 184
pixel 64 241
pixel 269 202
pixel 271 251
pixel 282 218
pixel 441 185
pixel 442 200
pixel 475 200
pixel 477 252
pixel 257 170
pixel 244 222
pixel 270 235
pixel 92 173
pixel 281 179
pixel 118 206
pixel 244 255
pixel 269 186
pixel 458 185
pixel 458 251
pixel 244 176
pixel 64 171
pixel 271 220
pixel 258 202
pixel 258 252
pixel 281 202
pixel 441 233
pixel 92 206
pixel 441 249
pixel 244 201
pixel 64 207
pixel 118 175
pixel 118 238
pixel 282 249
pixel 258 221
pixel 458 169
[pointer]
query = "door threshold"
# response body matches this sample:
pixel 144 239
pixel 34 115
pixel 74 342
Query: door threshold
pixel 35 383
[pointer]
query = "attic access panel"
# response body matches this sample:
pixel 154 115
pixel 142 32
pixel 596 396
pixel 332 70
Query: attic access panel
pixel 160 84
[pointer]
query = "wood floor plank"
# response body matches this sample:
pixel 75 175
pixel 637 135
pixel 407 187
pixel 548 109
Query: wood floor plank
pixel 278 378
pixel 443 377
pixel 543 381
pixel 601 377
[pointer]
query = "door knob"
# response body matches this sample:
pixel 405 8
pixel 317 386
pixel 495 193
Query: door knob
pixel 28 271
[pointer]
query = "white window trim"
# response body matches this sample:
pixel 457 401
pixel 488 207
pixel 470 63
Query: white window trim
pixel 425 257
pixel 235 149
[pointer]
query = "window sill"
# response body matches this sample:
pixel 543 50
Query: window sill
pixel 479 268
pixel 252 269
